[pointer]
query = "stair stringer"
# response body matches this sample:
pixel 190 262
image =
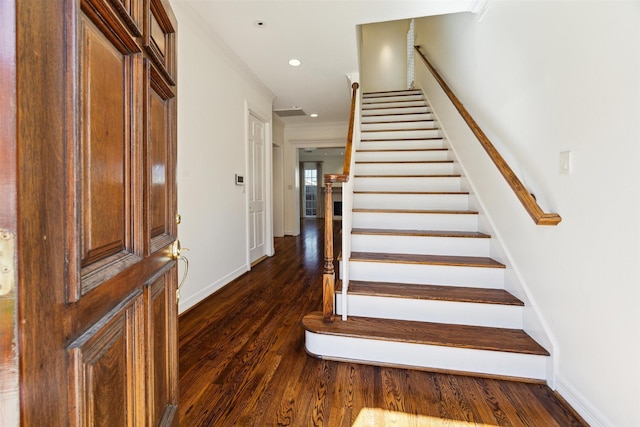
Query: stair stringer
pixel 534 323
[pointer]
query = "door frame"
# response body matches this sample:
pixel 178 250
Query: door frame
pixel 292 169
pixel 252 110
pixel 9 348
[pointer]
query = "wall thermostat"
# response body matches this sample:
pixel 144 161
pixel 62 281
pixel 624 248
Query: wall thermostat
pixel 239 179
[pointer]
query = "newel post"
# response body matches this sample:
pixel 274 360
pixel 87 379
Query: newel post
pixel 328 276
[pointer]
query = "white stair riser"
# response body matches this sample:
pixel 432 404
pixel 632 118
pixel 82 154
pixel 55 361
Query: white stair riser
pixel 446 275
pixel 395 118
pixel 415 221
pixel 396 97
pixel 404 168
pixel 427 356
pixel 406 184
pixel 423 124
pixel 423 245
pixel 396 110
pixel 396 104
pixel 400 144
pixel 451 312
pixel 411 201
pixel 391 156
pixel 401 134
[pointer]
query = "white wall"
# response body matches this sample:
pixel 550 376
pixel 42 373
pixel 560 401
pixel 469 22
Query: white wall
pixel 214 91
pixel 383 56
pixel 541 78
pixel 301 136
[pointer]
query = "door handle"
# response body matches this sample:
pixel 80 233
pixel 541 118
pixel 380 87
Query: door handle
pixel 177 249
pixel 176 253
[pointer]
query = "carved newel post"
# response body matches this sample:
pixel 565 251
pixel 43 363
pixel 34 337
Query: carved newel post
pixel 329 276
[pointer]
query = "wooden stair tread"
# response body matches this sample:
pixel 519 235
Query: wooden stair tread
pixel 447 260
pixel 394 101
pixel 431 292
pixel 419 138
pixel 387 93
pixel 394 107
pixel 391 114
pixel 415 211
pixel 387 150
pixel 422 233
pixel 409 176
pixel 415 193
pixel 399 121
pixel 403 162
pixel 439 334
pixel 399 130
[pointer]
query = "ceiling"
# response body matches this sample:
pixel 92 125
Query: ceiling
pixel 320 33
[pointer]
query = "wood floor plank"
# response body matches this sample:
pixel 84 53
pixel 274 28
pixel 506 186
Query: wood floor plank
pixel 278 384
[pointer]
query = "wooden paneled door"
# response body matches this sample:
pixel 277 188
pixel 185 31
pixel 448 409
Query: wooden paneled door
pixel 96 144
pixel 257 189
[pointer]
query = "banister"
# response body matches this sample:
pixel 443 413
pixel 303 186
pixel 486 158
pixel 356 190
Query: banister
pixel 528 201
pixel 348 149
pixel 328 276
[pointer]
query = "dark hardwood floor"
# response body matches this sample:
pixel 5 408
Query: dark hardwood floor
pixel 242 363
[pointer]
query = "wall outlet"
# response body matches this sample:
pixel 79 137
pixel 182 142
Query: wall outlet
pixel 565 162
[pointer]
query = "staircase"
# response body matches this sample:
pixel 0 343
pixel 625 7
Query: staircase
pixel 423 292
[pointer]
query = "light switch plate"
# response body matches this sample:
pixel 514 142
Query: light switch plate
pixel 565 162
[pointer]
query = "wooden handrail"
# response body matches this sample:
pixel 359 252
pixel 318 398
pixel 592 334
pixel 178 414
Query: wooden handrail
pixel 329 275
pixel 528 201
pixel 349 148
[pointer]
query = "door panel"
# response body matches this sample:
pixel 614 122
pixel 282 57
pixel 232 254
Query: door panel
pixel 163 369
pixel 159 139
pixel 105 374
pixel 159 37
pixel 106 103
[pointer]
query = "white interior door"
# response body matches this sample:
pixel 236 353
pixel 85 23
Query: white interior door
pixel 256 189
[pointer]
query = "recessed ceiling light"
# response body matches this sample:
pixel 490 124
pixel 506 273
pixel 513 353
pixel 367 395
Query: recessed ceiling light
pixel 294 62
pixel 313 115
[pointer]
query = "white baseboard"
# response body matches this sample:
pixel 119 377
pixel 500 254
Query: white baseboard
pixel 578 402
pixel 192 300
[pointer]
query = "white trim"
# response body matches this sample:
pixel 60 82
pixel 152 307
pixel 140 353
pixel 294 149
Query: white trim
pixel 589 412
pixel 207 291
pixel 479 7
pixel 294 169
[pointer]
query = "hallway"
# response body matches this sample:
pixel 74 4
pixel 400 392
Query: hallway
pixel 243 363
